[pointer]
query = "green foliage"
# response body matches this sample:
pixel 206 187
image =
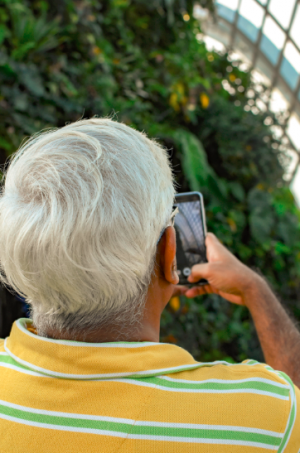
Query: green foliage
pixel 142 63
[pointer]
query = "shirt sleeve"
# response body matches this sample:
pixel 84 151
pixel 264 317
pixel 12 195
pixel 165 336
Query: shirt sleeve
pixel 291 439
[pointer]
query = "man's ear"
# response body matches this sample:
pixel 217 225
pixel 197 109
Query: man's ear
pixel 168 256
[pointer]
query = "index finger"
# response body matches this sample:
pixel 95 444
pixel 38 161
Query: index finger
pixel 215 250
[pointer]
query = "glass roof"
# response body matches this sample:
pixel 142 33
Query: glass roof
pixel 265 35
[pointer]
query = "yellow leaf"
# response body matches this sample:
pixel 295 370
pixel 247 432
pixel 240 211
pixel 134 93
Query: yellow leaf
pixel 232 77
pixel 232 224
pixel 210 57
pixel 173 101
pixel 96 50
pixel 175 303
pixel 204 99
pixel 179 87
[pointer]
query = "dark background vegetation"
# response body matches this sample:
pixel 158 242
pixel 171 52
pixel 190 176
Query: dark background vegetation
pixel 141 62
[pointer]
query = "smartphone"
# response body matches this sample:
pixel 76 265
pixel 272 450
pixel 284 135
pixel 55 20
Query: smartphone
pixel 190 227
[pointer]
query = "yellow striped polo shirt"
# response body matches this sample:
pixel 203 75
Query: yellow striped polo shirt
pixel 75 397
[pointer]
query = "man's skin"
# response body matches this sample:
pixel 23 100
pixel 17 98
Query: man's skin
pixel 231 279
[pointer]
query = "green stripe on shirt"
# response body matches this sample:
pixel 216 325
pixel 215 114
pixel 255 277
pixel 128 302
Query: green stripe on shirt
pixel 145 429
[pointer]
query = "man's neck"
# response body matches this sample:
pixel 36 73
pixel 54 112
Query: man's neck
pixel 109 335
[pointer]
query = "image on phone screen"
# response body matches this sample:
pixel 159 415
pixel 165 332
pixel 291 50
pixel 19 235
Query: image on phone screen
pixel 190 235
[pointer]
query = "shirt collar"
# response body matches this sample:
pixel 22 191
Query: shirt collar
pixel 80 360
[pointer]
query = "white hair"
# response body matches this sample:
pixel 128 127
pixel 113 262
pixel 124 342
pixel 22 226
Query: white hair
pixel 81 212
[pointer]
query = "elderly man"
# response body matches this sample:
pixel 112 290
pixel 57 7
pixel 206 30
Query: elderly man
pixel 81 214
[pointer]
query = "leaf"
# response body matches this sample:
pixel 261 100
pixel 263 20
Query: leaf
pixel 2 33
pixel 244 252
pixel 7 70
pixel 281 249
pixel 237 191
pixel 175 303
pixel 204 100
pixel 5 144
pixel 261 226
pixel 261 217
pixel 239 219
pixel 21 102
pixel 31 33
pixel 286 229
pixel 31 79
pixel 121 3
pixel 259 199
pixel 232 224
pixel 173 101
pixel 196 168
pixel 194 159
pixel 21 51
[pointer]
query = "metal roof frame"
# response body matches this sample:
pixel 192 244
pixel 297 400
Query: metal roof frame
pixel 257 52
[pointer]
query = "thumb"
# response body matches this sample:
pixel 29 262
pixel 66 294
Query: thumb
pixel 199 271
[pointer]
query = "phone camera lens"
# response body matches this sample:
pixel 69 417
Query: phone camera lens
pixel 186 271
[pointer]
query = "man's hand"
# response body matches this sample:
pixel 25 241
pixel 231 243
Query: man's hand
pixel 226 275
pixel 231 279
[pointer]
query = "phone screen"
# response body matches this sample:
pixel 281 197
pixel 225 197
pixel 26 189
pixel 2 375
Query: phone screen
pixel 190 235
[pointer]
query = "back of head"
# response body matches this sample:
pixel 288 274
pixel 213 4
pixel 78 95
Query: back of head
pixel 80 214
